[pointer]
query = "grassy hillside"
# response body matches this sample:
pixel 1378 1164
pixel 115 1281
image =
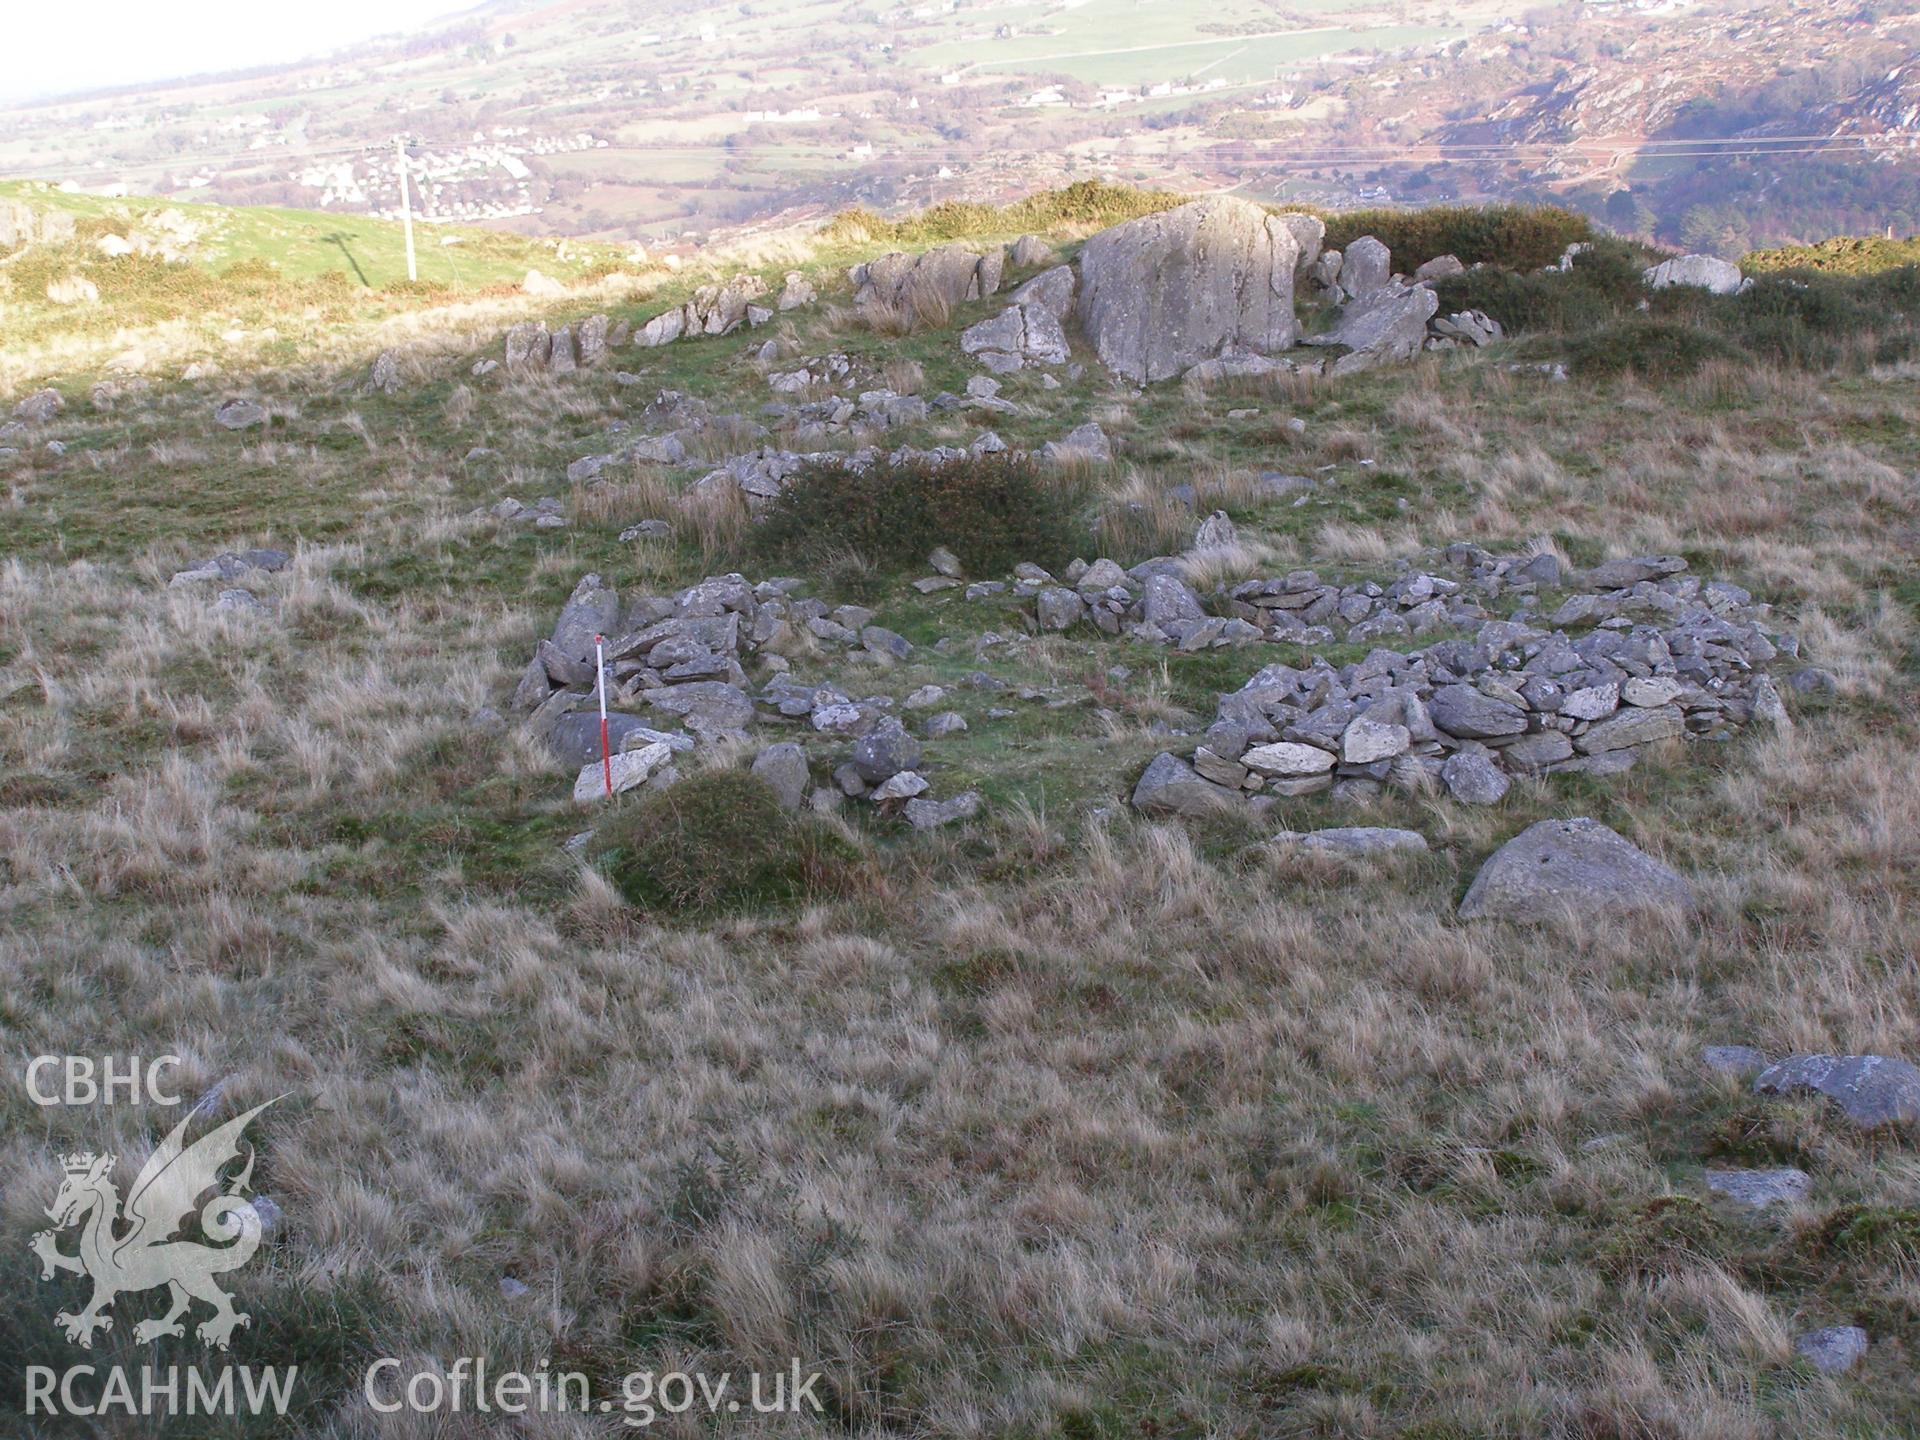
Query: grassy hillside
pixel 1060 1123
pixel 311 244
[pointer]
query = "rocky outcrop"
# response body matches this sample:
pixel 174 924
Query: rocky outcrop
pixel 1028 331
pixel 40 407
pixel 1164 292
pixel 934 282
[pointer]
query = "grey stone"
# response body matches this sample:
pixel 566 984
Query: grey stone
pixel 1707 272
pixel 1592 702
pixel 1288 759
pixel 1170 786
pixel 1578 866
pixel 575 739
pixel 1367 740
pixel 1387 325
pixel 1473 779
pixel 1366 265
pixel 903 786
pixel 1650 691
pixel 931 814
pixel 40 407
pixel 1029 251
pixel 593 609
pixel 886 642
pixel 884 751
pixel 1740 1060
pixel 783 769
pixel 1619 574
pixel 1871 1090
pixel 1058 608
pixel 1167 598
pixel 240 415
pixel 1354 839
pixel 947 722
pixel 1633 727
pixel 1163 292
pixel 1533 753
pixel 1463 711
pixel 630 768
pixel 1834 1350
pixel 1757 1189
pixel 706 707
pixel 1215 532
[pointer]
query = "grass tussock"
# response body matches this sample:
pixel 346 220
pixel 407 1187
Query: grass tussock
pixel 716 842
pixel 992 512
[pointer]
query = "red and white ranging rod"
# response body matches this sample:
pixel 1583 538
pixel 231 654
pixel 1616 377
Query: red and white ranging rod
pixel 600 678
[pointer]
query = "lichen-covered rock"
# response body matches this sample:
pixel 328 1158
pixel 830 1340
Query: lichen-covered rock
pixel 1870 1089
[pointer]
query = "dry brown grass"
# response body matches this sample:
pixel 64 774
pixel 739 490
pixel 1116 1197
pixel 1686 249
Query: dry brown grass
pixel 1067 1125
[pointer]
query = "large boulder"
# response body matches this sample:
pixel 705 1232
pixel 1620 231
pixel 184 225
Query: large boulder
pixel 1166 291
pixel 1706 272
pixel 1557 867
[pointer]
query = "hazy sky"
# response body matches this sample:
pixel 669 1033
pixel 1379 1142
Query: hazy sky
pixel 51 48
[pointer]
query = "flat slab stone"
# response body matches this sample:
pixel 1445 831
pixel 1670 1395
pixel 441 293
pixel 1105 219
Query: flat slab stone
pixel 1871 1089
pixel 1354 839
pixel 631 768
pixel 1757 1189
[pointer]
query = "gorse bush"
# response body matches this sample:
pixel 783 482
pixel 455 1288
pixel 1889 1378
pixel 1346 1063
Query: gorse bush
pixel 1079 205
pixel 991 511
pixel 1524 237
pixel 1602 285
pixel 719 841
pixel 1842 255
pixel 1650 349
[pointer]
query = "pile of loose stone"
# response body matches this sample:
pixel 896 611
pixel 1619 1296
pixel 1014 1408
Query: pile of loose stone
pixel 680 657
pixel 1636 653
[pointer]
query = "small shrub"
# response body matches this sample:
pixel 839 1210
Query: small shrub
pixel 1650 349
pixel 719 841
pixel 1842 255
pixel 1603 284
pixel 990 511
pixel 1660 1236
pixel 1523 237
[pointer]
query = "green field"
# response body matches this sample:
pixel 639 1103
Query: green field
pixel 309 244
pixel 1129 42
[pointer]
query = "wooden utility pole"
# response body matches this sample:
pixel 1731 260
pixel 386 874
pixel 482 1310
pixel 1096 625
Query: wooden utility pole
pixel 406 202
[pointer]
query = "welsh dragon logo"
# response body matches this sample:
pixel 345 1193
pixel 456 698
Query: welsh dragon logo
pixel 126 1251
